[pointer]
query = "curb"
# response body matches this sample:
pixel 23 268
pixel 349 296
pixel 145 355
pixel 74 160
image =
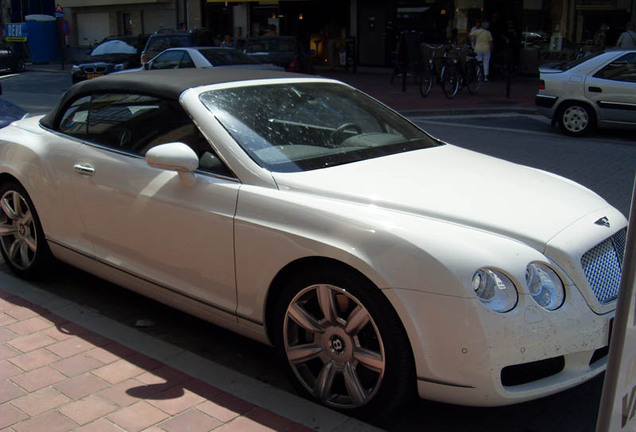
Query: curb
pixel 469 111
pixel 249 389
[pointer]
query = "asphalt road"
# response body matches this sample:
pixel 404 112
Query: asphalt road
pixel 605 163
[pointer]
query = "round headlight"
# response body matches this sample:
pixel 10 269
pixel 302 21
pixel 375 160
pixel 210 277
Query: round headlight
pixel 495 290
pixel 545 286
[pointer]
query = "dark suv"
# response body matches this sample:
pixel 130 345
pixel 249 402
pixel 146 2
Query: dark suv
pixel 10 61
pixel 283 51
pixel 160 41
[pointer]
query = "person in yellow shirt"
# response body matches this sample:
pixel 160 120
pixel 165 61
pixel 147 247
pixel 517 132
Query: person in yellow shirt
pixel 482 42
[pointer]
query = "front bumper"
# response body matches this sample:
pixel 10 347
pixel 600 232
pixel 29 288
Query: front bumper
pixel 466 354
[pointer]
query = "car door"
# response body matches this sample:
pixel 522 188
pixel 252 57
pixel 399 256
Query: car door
pixel 613 90
pixel 148 222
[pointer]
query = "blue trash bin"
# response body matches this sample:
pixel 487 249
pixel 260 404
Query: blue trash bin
pixel 43 39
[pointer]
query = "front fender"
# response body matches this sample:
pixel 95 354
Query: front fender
pixel 392 249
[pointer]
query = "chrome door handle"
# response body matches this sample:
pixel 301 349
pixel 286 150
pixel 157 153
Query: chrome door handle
pixel 84 169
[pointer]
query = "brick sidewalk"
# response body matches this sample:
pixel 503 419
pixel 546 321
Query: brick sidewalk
pixel 57 376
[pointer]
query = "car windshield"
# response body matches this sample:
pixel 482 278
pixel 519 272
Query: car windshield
pixel 274 44
pixel 226 56
pixel 114 47
pixel 304 126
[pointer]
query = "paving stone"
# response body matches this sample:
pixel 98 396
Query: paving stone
pixel 8 370
pixel 10 391
pixel 29 326
pixel 51 421
pixel 118 371
pixel 77 365
pixel 191 421
pixel 10 415
pixel 100 425
pixel 6 334
pixel 40 401
pixel 39 378
pixel 175 399
pixel 70 347
pixel 34 359
pixel 137 417
pixel 81 386
pixel 123 393
pixel 31 342
pixel 88 409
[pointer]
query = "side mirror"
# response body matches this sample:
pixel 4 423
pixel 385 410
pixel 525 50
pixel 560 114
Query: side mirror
pixel 173 157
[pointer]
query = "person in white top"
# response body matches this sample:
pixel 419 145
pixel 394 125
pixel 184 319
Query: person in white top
pixel 627 39
pixel 482 42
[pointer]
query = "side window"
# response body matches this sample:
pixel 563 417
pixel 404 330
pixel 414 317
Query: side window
pixel 75 119
pixel 135 123
pixel 621 69
pixel 167 60
pixel 186 61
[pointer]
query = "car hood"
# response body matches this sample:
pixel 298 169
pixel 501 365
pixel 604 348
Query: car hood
pixel 108 58
pixel 458 186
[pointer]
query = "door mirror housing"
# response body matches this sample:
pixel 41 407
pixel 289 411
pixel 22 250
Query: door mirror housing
pixel 174 156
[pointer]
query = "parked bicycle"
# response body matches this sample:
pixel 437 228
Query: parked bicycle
pixel 463 70
pixel 433 57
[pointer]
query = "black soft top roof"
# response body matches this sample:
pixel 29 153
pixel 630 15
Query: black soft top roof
pixel 168 84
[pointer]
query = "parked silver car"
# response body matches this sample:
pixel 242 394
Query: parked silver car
pixel 204 57
pixel 595 91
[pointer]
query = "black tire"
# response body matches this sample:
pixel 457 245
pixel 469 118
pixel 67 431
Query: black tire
pixel 475 76
pixel 426 83
pixel 323 355
pixel 22 242
pixel 576 119
pixel 450 81
pixel 19 66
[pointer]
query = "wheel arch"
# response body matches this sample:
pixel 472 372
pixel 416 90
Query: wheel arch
pixel 303 264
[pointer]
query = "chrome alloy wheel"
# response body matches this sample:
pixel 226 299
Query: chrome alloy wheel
pixel 17 230
pixel 575 119
pixel 334 346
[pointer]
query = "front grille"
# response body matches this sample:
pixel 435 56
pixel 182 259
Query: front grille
pixel 602 266
pixel 95 69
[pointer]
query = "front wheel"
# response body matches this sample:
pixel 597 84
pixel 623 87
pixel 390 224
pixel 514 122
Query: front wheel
pixel 23 246
pixel 450 81
pixel 576 119
pixel 342 343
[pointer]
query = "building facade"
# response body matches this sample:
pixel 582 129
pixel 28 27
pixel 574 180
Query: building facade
pixel 376 25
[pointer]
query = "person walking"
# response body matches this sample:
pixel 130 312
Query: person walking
pixel 627 39
pixel 482 42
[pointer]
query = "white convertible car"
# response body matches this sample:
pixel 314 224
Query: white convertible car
pixel 300 212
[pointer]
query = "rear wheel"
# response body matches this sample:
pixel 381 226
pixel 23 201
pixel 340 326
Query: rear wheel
pixel 342 343
pixel 23 245
pixel 426 84
pixel 450 81
pixel 576 119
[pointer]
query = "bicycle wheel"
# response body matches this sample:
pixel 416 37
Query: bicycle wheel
pixel 426 83
pixel 475 77
pixel 450 81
